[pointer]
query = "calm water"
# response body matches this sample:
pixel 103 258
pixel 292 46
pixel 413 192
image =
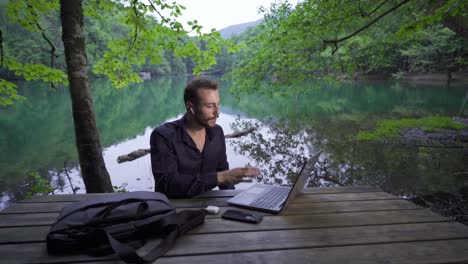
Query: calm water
pixel 37 135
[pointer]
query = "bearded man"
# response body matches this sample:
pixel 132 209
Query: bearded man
pixel 188 156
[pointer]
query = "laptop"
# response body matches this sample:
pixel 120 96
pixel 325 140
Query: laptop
pixel 273 198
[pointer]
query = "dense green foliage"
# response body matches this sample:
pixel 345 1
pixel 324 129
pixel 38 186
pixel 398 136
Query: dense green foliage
pixel 318 39
pixel 123 38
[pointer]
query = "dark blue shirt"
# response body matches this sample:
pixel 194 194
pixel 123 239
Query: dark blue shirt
pixel 180 170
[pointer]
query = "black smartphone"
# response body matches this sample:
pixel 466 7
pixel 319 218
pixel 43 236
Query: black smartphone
pixel 242 216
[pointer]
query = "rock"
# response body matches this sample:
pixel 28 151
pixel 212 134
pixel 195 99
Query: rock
pixel 460 120
pixel 145 75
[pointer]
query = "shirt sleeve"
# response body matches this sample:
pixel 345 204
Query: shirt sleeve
pixel 223 163
pixel 168 180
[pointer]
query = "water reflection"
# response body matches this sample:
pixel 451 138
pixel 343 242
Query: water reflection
pixel 279 148
pixel 37 135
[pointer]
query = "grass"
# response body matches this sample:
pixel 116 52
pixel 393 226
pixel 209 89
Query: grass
pixel 387 129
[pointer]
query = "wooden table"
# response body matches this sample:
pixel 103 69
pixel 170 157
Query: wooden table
pixel 323 225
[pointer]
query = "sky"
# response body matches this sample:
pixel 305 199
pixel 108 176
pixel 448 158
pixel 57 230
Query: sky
pixel 223 13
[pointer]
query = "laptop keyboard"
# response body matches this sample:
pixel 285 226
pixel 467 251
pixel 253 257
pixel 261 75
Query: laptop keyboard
pixel 271 198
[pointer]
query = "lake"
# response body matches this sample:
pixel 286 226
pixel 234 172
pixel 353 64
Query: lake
pixel 37 142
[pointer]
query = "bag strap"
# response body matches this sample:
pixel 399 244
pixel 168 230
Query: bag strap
pixel 175 225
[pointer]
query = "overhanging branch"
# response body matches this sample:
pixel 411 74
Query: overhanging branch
pixel 336 41
pixel 165 20
pixel 135 34
pixel 44 36
pixel 52 46
pixel 376 8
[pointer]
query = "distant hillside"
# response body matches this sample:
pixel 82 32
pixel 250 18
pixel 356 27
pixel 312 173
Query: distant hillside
pixel 237 29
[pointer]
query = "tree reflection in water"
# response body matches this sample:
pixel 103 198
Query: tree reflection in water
pixel 279 147
pixel 277 150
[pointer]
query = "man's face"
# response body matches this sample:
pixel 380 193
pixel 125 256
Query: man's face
pixel 207 108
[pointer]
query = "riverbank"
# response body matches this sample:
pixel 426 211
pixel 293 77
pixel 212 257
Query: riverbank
pixel 452 205
pixel 438 137
pixel 420 78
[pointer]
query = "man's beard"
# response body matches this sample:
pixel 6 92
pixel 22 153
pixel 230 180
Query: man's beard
pixel 207 123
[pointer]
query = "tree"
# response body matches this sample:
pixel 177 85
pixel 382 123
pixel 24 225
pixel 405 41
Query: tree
pixel 434 49
pixel 93 168
pixel 148 37
pixel 303 42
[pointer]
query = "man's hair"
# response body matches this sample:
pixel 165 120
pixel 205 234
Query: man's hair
pixel 191 94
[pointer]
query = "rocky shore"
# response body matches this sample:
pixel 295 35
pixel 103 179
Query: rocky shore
pixel 455 204
pixel 452 205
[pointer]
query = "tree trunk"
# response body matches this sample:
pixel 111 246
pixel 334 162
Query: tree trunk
pixel 457 23
pixel 93 170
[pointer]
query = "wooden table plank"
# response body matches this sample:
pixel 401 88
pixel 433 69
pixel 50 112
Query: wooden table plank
pixel 218 194
pixel 444 251
pixel 337 197
pixel 209 194
pixel 294 208
pixel 12 220
pixel 340 189
pixel 322 221
pixel 194 202
pixel 363 222
pixel 220 201
pixel 439 251
pixel 20 228
pixel 354 206
pixel 56 206
pixel 285 221
pixel 309 238
pixel 286 238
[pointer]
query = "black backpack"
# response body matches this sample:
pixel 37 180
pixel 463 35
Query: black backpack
pixel 120 223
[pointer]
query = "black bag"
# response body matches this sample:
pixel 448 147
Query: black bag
pixel 119 223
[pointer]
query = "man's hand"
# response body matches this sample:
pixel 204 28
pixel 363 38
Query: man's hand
pixel 236 175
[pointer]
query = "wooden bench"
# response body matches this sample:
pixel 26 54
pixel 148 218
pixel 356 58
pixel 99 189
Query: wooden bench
pixel 322 225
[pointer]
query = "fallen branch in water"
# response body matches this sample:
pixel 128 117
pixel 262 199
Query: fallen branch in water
pixel 241 133
pixel 142 152
pixel 133 155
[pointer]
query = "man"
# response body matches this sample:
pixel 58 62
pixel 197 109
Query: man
pixel 188 156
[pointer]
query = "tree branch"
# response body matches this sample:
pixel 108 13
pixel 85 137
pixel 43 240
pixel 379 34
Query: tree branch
pixel 240 133
pixel 44 36
pixel 135 34
pixel 52 46
pixel 163 18
pixel 74 189
pixel 336 41
pixel 376 8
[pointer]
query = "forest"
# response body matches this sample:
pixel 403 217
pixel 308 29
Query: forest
pixel 287 45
